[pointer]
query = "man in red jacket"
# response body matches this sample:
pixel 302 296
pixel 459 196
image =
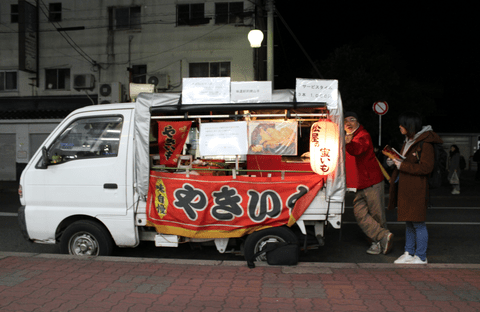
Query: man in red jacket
pixel 364 175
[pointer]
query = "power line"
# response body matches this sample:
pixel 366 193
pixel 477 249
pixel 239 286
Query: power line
pixel 103 20
pixel 299 44
pixel 84 55
pixel 183 44
pixel 69 40
pixel 89 27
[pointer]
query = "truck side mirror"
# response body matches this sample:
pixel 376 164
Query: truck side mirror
pixel 44 161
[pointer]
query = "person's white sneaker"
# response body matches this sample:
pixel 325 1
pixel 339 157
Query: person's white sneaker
pixel 405 258
pixel 455 192
pixel 417 260
pixel 375 249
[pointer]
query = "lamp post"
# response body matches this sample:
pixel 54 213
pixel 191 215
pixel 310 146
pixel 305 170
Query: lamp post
pixel 270 9
pixel 256 36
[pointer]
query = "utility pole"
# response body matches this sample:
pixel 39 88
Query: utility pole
pixel 270 72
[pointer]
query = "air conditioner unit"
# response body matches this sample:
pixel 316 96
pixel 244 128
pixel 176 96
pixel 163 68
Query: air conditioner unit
pixel 83 81
pixel 110 93
pixel 160 81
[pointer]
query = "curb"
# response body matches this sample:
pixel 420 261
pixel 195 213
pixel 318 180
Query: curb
pixel 303 267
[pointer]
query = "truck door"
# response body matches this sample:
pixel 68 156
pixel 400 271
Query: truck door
pixel 87 169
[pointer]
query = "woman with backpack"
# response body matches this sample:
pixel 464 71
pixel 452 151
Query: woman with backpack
pixel 409 185
pixel 454 167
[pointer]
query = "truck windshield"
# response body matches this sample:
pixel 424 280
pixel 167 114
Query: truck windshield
pixel 87 138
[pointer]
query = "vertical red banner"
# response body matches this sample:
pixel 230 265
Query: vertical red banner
pixel 171 138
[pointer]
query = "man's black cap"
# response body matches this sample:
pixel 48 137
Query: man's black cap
pixel 351 114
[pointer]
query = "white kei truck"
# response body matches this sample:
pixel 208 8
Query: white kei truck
pixel 87 187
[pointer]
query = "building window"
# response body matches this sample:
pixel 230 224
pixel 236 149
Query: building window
pixel 57 79
pixel 139 73
pixel 14 13
pixel 214 69
pixel 125 18
pixel 55 12
pixel 191 14
pixel 8 80
pixel 229 13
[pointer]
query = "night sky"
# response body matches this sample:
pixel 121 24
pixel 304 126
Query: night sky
pixel 438 42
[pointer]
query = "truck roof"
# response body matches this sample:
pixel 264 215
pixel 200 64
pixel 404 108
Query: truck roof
pixel 103 107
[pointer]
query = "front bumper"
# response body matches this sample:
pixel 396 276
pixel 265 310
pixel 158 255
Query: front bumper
pixel 22 223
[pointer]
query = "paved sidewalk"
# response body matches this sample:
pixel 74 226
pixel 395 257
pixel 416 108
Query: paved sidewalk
pixel 40 282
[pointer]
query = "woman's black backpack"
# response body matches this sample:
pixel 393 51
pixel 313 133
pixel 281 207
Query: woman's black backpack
pixel 435 179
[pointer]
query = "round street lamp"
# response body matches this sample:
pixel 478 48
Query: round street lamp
pixel 255 37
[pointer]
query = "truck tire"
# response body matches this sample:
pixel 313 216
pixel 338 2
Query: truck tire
pixel 256 241
pixel 86 238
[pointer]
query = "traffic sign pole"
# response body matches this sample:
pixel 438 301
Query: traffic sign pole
pixel 379 130
pixel 380 108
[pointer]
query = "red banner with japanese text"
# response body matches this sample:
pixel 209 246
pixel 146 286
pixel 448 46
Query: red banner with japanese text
pixel 171 138
pixel 221 206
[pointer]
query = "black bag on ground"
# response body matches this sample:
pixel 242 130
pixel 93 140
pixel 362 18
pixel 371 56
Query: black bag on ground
pixel 279 253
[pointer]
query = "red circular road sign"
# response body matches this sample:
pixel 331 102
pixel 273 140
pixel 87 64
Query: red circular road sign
pixel 380 108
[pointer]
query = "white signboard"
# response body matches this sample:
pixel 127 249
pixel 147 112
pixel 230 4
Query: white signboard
pixel 206 90
pixel 317 90
pixel 223 138
pixel 251 92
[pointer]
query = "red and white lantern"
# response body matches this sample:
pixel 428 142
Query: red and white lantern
pixel 324 138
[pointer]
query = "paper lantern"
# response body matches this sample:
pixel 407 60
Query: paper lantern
pixel 324 138
pixel 255 37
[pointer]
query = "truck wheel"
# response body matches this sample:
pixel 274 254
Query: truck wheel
pixel 257 241
pixel 86 238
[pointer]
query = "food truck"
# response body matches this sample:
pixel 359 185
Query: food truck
pixel 219 162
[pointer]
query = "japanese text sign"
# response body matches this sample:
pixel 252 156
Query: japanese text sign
pixel 171 138
pixel 223 138
pixel 251 91
pixel 218 207
pixel 206 90
pixel 317 90
pixel 324 146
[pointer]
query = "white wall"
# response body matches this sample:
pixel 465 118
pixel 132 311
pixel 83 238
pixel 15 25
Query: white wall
pixel 161 45
pixel 19 140
pixel 27 134
pixel 7 157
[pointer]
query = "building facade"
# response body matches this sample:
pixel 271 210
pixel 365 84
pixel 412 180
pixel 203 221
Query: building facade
pixel 60 55
pixel 468 144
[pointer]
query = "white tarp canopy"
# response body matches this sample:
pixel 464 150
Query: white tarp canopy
pixel 336 183
pixel 142 134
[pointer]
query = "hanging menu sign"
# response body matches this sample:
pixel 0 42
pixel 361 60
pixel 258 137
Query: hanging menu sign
pixel 223 138
pixel 317 90
pixel 206 90
pixel 251 91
